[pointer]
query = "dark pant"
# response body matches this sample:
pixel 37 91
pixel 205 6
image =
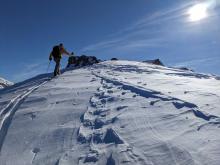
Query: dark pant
pixel 57 67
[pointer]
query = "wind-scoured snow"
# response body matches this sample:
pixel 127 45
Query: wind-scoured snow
pixel 115 112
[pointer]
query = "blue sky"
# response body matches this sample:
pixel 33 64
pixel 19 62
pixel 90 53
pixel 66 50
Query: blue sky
pixel 126 29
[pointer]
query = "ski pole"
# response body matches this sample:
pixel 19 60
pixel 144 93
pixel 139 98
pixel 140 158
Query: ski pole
pixel 48 66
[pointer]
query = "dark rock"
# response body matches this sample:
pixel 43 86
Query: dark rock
pixel 80 61
pixel 185 68
pixel 114 59
pixel 155 62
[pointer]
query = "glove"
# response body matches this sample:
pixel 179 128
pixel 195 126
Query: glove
pixel 72 54
pixel 50 58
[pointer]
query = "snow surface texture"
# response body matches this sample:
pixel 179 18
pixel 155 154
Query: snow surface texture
pixel 112 113
pixel 4 83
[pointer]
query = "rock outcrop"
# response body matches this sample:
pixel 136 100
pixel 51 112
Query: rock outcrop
pixel 114 59
pixel 155 62
pixel 83 60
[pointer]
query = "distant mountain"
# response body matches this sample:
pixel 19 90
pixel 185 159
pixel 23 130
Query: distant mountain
pixel 4 83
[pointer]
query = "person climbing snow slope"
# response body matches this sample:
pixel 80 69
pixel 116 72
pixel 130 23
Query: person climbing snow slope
pixel 56 54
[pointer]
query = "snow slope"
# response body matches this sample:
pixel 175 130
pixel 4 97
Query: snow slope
pixel 118 112
pixel 4 83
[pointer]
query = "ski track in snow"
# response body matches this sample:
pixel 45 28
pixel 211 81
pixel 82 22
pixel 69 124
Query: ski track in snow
pixel 6 114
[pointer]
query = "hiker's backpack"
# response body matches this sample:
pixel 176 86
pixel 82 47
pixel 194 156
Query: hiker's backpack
pixel 56 52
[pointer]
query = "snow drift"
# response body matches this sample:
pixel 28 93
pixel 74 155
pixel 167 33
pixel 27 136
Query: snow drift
pixel 114 112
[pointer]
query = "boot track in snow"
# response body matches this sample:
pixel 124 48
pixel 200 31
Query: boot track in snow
pixel 97 130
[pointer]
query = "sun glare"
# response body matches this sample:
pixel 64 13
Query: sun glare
pixel 198 12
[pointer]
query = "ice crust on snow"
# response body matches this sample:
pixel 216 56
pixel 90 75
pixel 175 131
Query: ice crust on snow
pixel 114 112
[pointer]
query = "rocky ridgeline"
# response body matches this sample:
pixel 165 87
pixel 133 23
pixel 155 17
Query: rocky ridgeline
pixel 83 60
pixel 80 61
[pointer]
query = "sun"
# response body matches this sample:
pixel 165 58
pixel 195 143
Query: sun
pixel 198 12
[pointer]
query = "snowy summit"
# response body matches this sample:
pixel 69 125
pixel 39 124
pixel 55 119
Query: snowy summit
pixel 112 113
